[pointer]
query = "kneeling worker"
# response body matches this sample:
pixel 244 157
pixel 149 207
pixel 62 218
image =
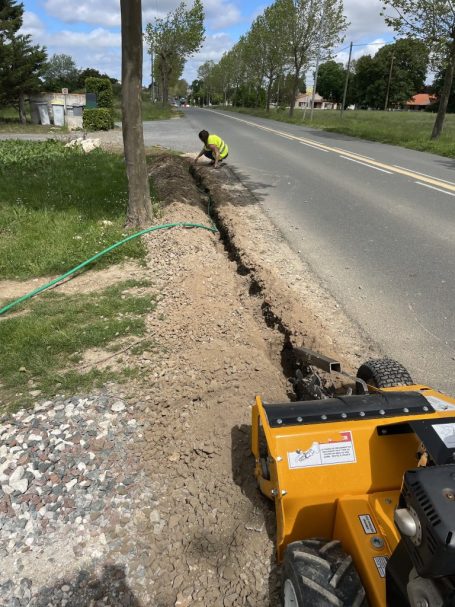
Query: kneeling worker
pixel 214 148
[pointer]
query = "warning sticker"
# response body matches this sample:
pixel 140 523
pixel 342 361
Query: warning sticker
pixel 367 523
pixel 381 564
pixel 332 453
pixel 438 404
pixel 446 433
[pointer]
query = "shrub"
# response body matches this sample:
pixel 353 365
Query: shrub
pixel 102 87
pixel 97 119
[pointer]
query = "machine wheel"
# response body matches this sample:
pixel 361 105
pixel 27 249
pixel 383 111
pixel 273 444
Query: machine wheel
pixel 318 573
pixel 384 373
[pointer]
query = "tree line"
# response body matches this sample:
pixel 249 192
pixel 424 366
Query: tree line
pixel 267 65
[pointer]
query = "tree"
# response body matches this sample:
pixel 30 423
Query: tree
pixel 60 72
pixel 139 204
pixel 432 21
pixel 91 72
pixel 395 74
pixel 313 26
pixel 331 80
pixel 173 39
pixel 21 62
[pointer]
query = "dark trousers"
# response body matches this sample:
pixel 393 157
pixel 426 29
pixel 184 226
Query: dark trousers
pixel 210 155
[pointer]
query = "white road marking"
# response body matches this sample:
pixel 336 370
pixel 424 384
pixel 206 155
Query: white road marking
pixel 424 174
pixel 366 165
pixel 433 188
pixel 314 147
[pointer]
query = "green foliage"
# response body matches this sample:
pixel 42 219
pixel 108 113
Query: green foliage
pixel 404 62
pixel 58 207
pixel 102 87
pixel 173 40
pixel 97 119
pixel 21 62
pixel 57 330
pixel 331 81
pixel 90 72
pixel 60 72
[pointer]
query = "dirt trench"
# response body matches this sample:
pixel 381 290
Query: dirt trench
pixel 230 307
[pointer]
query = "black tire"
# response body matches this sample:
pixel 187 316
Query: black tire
pixel 384 373
pixel 318 573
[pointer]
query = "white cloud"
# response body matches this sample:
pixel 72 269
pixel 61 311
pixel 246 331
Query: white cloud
pixel 367 49
pixel 32 24
pixel 219 13
pixel 365 19
pixel 213 48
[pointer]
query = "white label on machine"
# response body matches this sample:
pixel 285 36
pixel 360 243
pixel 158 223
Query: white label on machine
pixel 367 523
pixel 438 404
pixel 381 564
pixel 332 453
pixel 446 433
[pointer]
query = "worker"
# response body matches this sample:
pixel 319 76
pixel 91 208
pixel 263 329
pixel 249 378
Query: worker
pixel 214 148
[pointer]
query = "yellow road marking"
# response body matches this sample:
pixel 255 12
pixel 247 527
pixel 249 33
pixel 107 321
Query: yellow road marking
pixel 374 163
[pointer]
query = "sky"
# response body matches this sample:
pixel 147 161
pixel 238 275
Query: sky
pixel 89 30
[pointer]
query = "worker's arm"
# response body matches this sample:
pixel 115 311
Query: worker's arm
pixel 199 155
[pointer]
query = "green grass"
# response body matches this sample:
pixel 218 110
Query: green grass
pixel 406 129
pixel 60 206
pixel 9 123
pixel 150 111
pixel 38 347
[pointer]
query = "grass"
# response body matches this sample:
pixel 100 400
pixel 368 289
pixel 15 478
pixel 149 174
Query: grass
pixel 58 207
pixel 37 348
pixel 9 123
pixel 150 111
pixel 406 129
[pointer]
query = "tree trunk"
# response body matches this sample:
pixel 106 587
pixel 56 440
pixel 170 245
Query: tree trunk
pixel 22 115
pixel 445 94
pixel 139 204
pixel 294 93
pixel 269 94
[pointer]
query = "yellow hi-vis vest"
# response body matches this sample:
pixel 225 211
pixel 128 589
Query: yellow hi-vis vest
pixel 215 140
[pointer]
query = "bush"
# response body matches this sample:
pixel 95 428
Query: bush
pixel 102 87
pixel 97 119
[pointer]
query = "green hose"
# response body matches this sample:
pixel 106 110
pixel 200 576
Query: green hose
pixel 100 254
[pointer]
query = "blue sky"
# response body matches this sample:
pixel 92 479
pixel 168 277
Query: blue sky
pixel 89 30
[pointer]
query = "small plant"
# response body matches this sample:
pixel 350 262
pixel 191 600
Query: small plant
pixel 97 119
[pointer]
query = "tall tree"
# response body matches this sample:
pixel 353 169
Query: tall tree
pixel 314 27
pixel 331 80
pixel 139 203
pixel 60 72
pixel 433 21
pixel 174 39
pixel 21 62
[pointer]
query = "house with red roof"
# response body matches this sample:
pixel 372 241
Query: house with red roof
pixel 420 101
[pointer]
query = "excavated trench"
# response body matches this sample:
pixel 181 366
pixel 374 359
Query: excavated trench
pixel 225 327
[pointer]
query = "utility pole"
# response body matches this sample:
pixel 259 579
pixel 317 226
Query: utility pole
pixel 318 58
pixel 389 82
pixel 346 82
pixel 152 84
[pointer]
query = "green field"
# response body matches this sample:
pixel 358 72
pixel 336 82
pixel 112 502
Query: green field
pixel 58 207
pixel 407 129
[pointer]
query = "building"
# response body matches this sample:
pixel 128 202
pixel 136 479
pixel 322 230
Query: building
pixel 420 101
pixel 304 101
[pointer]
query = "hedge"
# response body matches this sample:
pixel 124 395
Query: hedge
pixel 97 119
pixel 102 87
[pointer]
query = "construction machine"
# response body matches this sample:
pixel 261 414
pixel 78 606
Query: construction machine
pixel 363 483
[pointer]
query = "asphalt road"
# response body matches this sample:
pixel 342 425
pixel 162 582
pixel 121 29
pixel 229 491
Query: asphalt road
pixel 375 222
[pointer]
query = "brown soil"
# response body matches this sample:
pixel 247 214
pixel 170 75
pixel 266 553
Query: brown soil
pixel 224 320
